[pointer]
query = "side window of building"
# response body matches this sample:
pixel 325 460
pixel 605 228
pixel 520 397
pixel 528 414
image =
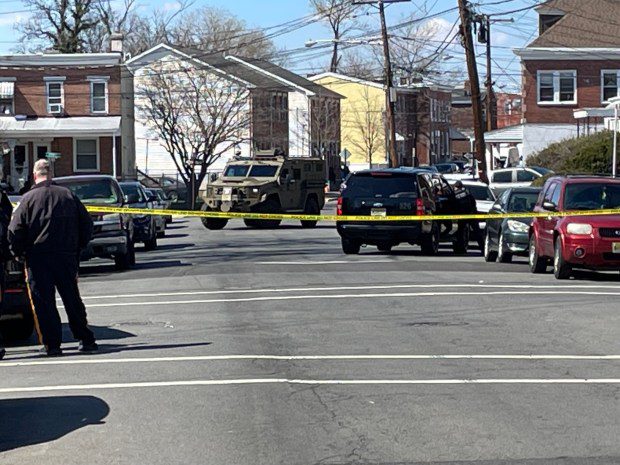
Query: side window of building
pixel 559 87
pixel 610 84
pixel 86 155
pixel 7 89
pixel 99 95
pixel 55 95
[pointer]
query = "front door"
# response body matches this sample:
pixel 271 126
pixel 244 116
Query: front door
pixel 19 167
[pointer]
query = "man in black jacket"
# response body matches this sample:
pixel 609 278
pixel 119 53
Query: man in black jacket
pixel 6 209
pixel 48 230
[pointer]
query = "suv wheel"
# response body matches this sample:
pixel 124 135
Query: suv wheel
pixel 350 247
pixel 213 224
pixel 128 259
pixel 489 255
pixel 561 269
pixel 312 208
pixel 461 242
pixel 503 256
pixel 430 242
pixel 538 264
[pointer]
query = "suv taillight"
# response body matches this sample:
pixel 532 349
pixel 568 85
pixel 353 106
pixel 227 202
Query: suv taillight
pixel 419 207
pixel 339 206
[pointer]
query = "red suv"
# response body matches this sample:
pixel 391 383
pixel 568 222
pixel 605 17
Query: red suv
pixel 590 242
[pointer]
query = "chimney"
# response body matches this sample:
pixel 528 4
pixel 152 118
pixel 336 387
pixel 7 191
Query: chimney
pixel 116 42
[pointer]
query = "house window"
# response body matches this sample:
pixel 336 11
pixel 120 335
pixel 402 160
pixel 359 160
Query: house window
pixel 54 90
pixel 609 83
pixel 557 87
pixel 99 96
pixel 86 155
pixel 6 106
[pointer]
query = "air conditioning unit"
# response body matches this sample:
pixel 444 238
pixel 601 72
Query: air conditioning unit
pixel 57 109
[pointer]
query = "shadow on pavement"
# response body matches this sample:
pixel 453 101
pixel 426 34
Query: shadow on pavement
pixel 116 348
pixel 596 277
pixel 38 420
pixel 173 236
pixel 103 270
pixel 102 333
pixel 175 246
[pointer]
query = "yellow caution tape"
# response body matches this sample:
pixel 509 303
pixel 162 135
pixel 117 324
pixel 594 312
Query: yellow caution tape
pixel 345 218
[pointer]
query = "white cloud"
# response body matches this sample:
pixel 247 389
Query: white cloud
pixel 11 20
pixel 171 6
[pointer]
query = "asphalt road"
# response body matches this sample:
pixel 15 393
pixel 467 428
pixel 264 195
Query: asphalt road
pixel 271 347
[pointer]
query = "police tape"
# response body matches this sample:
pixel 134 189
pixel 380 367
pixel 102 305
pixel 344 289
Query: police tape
pixel 345 218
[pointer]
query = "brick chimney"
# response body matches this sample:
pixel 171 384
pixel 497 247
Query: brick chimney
pixel 116 42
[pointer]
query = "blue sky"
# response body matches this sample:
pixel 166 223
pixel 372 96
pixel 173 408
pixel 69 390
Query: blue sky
pixel 265 13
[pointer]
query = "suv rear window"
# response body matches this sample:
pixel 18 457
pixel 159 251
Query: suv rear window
pixel 592 196
pixel 382 185
pixel 98 191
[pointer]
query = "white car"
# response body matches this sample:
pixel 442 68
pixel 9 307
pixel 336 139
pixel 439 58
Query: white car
pixel 485 198
pixel 500 180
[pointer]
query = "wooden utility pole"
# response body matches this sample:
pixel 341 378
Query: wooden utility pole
pixel 476 104
pixel 489 81
pixel 390 91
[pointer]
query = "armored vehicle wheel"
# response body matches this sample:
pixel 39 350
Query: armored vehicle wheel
pixel 312 208
pixel 213 224
pixel 269 206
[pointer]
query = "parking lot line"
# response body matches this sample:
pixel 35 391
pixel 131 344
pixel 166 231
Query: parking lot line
pixel 351 288
pixel 208 358
pixel 355 296
pixel 316 382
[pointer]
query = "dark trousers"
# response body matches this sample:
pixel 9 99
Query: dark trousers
pixel 45 275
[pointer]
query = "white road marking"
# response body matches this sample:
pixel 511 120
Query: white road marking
pixel 208 358
pixel 349 288
pixel 227 382
pixel 326 262
pixel 352 296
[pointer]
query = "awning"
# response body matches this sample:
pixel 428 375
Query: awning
pixel 583 113
pixel 509 134
pixel 7 89
pixel 60 127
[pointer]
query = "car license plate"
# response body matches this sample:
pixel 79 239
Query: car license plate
pixel 615 248
pixel 378 212
pixel 227 194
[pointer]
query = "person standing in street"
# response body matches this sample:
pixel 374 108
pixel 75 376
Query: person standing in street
pixel 48 230
pixel 6 210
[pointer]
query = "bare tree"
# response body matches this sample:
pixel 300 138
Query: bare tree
pixel 356 64
pixel 59 24
pixel 367 126
pixel 198 115
pixel 108 21
pixel 338 14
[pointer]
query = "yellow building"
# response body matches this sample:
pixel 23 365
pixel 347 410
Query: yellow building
pixel 361 118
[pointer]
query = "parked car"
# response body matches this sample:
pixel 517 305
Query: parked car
pixel 506 237
pixel 158 204
pixel 589 242
pixel 176 190
pixel 145 227
pixel 163 202
pixel 447 168
pixel 113 233
pixel 500 180
pixel 397 192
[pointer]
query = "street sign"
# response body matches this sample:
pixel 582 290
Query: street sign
pixel 52 155
pixel 345 154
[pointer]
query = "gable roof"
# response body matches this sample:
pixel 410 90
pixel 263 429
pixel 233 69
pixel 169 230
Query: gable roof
pixel 585 24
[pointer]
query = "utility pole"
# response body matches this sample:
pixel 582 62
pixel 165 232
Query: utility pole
pixel 470 53
pixel 390 92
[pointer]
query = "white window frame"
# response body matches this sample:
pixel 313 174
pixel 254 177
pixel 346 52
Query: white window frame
pixel 99 80
pixel 556 87
pixel 75 155
pixel 55 80
pixel 609 71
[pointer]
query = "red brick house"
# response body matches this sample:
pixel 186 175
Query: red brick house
pixel 509 109
pixel 574 63
pixel 69 104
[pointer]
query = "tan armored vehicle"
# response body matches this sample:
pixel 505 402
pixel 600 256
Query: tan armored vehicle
pixel 267 185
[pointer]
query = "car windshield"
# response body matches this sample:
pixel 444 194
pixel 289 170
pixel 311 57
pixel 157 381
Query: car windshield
pixel 540 170
pixel 98 191
pixel 445 168
pixel 382 186
pixel 481 192
pixel 592 196
pixel 236 171
pixel 522 202
pixel 263 171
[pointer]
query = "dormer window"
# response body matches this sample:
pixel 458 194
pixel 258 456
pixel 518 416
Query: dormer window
pixel 546 21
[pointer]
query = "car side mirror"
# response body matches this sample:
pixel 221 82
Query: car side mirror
pixel 549 206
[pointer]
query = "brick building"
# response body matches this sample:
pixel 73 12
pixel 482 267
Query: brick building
pixel 509 109
pixel 69 104
pixel 573 64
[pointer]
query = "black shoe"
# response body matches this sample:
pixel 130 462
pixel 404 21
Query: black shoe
pixel 52 352
pixel 88 347
pixel 2 353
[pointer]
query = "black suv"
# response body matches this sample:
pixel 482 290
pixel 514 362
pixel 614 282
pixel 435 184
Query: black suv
pixel 401 192
pixel 388 192
pixel 113 233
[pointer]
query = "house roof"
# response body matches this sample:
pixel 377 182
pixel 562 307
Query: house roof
pixel 507 134
pixel 61 59
pixel 586 24
pixel 44 127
